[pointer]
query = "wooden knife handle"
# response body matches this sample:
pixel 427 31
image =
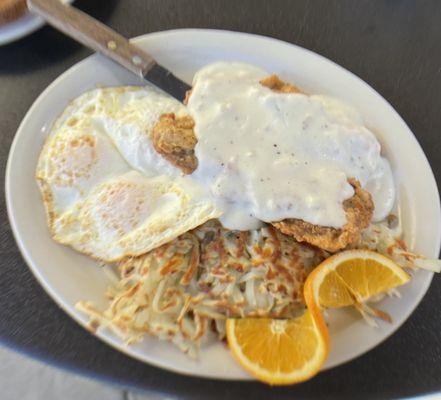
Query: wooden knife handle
pixel 93 34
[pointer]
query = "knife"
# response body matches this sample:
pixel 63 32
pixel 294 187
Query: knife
pixel 99 37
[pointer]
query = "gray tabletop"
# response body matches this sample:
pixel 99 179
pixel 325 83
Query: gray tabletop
pixel 395 46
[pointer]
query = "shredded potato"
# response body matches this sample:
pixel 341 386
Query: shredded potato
pixel 386 238
pixel 185 289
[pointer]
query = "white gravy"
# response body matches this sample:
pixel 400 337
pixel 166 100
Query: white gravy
pixel 266 156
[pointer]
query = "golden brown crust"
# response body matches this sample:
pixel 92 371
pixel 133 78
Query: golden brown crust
pixel 11 10
pixel 274 83
pixel 173 137
pixel 358 208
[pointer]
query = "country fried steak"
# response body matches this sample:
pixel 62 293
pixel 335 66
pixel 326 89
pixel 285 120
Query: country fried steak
pixel 358 208
pixel 174 138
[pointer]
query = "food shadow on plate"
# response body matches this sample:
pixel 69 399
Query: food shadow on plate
pixel 47 46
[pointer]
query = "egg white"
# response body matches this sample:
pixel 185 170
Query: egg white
pixel 130 215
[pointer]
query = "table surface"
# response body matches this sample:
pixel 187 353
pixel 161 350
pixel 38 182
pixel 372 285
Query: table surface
pixel 392 45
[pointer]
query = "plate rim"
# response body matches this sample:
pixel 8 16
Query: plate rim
pixel 14 33
pixel 125 350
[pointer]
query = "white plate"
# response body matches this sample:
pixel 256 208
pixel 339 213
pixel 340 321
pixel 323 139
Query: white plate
pixel 68 276
pixel 21 27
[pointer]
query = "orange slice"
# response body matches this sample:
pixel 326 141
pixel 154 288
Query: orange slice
pixel 351 277
pixel 279 352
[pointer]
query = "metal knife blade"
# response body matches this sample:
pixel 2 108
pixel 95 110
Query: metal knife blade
pixel 164 79
pixel 99 37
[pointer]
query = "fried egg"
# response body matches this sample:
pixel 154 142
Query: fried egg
pixel 130 215
pixel 106 192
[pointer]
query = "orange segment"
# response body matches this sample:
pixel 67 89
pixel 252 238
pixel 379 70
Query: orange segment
pixel 334 293
pixel 279 351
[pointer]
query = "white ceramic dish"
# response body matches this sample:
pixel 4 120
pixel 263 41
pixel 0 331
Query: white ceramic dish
pixel 21 27
pixel 68 276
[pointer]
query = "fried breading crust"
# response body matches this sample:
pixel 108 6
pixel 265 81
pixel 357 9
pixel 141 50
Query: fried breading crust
pixel 359 209
pixel 175 140
pixel 273 82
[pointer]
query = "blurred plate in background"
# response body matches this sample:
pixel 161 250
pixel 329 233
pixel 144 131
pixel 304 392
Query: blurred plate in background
pixel 21 27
